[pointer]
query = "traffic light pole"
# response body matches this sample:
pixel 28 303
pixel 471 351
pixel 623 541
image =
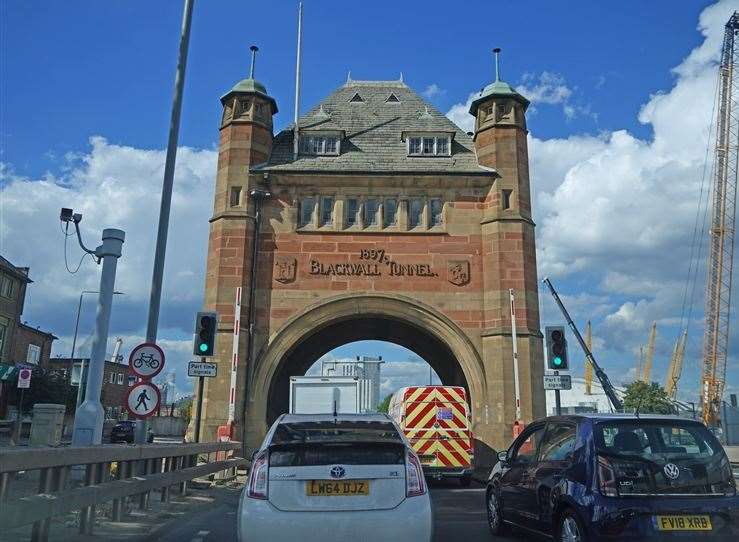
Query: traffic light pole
pixel 199 406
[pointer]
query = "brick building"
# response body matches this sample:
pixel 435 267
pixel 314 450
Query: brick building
pixel 385 221
pixel 19 342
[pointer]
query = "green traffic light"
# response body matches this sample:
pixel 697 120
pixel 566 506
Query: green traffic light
pixel 557 361
pixel 203 347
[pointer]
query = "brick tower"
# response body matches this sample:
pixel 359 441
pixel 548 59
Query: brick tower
pixel 509 254
pixel 245 141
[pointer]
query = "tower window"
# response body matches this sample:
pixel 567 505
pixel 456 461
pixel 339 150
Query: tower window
pixel 352 206
pixel 235 198
pixel 306 211
pixel 436 208
pixel 507 199
pixel 415 212
pixel 390 212
pixel 327 211
pixel 370 212
pixel 319 145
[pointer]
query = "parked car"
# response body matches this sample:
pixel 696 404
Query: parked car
pixel 123 431
pixel 324 478
pixel 615 477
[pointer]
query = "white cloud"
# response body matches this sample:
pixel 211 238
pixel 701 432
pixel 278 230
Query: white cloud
pixel 546 88
pixel 112 186
pixel 433 90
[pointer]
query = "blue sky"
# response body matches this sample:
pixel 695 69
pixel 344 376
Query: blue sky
pixel 621 99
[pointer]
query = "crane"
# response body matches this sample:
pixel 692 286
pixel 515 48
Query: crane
pixel 721 230
pixel 649 354
pixel 676 366
pixel 588 365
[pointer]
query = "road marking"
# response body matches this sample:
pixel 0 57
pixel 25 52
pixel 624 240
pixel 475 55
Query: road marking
pixel 201 536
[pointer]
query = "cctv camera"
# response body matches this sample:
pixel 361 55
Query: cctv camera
pixel 65 215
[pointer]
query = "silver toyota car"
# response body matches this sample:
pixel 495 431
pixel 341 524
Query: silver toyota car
pixel 335 478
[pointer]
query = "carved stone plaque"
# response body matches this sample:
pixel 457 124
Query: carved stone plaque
pixel 285 269
pixel 458 272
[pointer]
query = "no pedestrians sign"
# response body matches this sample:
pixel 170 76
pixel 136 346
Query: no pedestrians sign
pixel 143 399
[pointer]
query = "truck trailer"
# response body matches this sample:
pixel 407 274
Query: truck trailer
pixel 324 395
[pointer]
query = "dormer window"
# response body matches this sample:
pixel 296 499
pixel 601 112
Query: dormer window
pixel 392 99
pixel 320 144
pixel 356 99
pixel 428 145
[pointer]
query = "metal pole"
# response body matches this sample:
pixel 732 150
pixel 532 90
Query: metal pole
pixel 514 339
pixel 258 196
pixel 557 403
pixel 155 297
pixel 199 408
pixel 297 81
pixel 88 420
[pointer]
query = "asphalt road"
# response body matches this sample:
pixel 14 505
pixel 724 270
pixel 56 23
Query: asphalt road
pixel 459 515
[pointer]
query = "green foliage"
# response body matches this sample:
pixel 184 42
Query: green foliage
pixel 184 405
pixel 385 404
pixel 647 398
pixel 47 386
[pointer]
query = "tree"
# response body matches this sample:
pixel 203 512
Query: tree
pixel 184 405
pixel 647 398
pixel 385 404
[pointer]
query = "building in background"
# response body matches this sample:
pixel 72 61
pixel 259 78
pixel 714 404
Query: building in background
pixel 367 370
pixel 117 378
pixel 20 343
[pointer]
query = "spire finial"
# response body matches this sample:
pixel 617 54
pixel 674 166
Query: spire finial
pixel 496 51
pixel 254 50
pixel 349 76
pixel 401 77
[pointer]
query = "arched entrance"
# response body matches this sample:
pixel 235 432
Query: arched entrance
pixel 343 319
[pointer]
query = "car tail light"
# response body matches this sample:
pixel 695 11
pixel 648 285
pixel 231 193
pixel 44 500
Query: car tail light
pixel 414 481
pixel 606 478
pixel 257 488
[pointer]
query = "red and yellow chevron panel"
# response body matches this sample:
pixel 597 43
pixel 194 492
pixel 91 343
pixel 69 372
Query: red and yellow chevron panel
pixel 436 421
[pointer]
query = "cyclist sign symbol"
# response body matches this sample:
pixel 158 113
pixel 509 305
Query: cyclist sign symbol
pixel 143 399
pixel 146 360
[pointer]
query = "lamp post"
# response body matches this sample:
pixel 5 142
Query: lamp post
pixel 83 372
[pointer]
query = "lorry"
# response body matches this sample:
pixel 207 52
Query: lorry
pixel 324 395
pixel 436 421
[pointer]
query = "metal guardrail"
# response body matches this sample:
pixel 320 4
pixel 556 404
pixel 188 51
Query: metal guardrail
pixel 138 470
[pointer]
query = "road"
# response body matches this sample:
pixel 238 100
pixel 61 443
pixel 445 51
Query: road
pixel 459 514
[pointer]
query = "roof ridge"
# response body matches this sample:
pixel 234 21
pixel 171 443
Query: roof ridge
pixel 397 83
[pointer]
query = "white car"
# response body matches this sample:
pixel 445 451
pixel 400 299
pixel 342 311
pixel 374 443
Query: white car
pixel 322 478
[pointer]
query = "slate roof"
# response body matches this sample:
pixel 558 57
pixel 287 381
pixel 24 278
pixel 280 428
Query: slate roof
pixel 373 130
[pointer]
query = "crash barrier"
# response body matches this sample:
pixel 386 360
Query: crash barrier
pixel 106 473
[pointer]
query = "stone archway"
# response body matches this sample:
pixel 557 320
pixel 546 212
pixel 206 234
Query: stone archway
pixel 342 319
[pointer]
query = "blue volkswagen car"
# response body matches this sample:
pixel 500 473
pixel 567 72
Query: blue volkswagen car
pixel 615 477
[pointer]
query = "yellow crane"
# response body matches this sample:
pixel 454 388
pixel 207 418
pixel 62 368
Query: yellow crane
pixel 588 365
pixel 676 366
pixel 649 354
pixel 721 229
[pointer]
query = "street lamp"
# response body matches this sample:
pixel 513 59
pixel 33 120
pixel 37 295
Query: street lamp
pixel 80 391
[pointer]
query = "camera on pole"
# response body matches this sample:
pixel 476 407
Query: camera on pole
pixel 556 348
pixel 205 334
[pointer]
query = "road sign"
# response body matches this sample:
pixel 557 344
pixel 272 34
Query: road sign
pixel 199 368
pixel 24 378
pixel 143 399
pixel 146 360
pixel 557 382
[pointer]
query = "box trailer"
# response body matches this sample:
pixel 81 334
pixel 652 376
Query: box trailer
pixel 324 395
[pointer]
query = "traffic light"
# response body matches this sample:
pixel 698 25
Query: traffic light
pixel 556 348
pixel 205 334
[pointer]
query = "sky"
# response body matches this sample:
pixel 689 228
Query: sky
pixel 622 97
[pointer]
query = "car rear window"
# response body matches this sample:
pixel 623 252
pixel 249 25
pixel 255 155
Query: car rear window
pixel 337 432
pixel 302 455
pixel 656 439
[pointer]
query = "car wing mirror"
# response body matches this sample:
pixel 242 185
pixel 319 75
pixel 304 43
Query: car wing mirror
pixel 503 456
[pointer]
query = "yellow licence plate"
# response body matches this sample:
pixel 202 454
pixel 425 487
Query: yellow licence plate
pixel 684 523
pixel 333 488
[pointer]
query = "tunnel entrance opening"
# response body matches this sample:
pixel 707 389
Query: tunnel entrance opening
pixel 319 341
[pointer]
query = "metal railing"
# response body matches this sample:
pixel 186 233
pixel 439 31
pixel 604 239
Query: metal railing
pixel 106 473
